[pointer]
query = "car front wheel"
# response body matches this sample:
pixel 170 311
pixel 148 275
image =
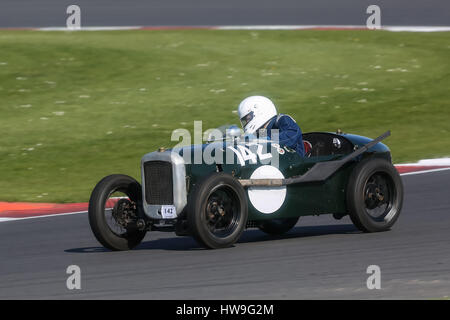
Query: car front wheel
pixel 217 211
pixel 113 212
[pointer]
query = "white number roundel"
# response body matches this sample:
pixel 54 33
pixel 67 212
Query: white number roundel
pixel 267 199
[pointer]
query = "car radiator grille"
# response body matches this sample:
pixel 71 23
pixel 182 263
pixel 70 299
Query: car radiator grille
pixel 158 182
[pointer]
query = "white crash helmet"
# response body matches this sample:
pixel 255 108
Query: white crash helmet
pixel 254 112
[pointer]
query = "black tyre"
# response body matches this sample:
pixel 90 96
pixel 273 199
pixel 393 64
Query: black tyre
pixel 110 217
pixel 374 195
pixel 217 211
pixel 278 226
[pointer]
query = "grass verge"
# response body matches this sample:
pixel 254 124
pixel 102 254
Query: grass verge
pixel 76 106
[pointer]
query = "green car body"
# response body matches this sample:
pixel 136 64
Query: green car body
pixel 327 197
pixel 215 191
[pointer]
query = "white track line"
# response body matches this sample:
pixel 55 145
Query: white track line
pixel 338 27
pixel 111 28
pixel 435 162
pixel 424 171
pixel 255 27
pixel 50 215
pixel 416 29
pixel 44 216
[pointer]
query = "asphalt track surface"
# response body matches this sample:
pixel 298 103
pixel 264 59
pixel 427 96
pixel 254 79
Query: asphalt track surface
pixel 52 13
pixel 320 258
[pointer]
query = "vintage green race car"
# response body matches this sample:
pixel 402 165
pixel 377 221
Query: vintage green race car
pixel 214 201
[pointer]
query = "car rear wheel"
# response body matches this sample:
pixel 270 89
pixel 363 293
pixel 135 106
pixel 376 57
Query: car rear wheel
pixel 217 211
pixel 113 212
pixel 278 226
pixel 374 195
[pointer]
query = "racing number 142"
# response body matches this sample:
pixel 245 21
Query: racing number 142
pixel 168 212
pixel 244 154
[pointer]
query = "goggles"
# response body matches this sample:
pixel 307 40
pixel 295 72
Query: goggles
pixel 247 118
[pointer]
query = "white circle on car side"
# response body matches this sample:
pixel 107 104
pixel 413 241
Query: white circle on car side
pixel 267 199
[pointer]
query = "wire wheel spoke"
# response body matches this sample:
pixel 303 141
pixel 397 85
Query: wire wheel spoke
pixel 378 196
pixel 119 212
pixel 222 212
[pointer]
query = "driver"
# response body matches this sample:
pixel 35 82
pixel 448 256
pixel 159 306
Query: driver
pixel 257 113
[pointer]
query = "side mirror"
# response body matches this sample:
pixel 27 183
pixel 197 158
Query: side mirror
pixel 233 132
pixel 223 133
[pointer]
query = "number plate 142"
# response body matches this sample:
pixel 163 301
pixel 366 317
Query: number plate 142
pixel 168 212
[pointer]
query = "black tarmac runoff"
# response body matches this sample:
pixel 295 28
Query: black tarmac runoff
pixel 321 258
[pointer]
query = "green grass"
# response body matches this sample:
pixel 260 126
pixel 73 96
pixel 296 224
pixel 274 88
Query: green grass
pixel 123 92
